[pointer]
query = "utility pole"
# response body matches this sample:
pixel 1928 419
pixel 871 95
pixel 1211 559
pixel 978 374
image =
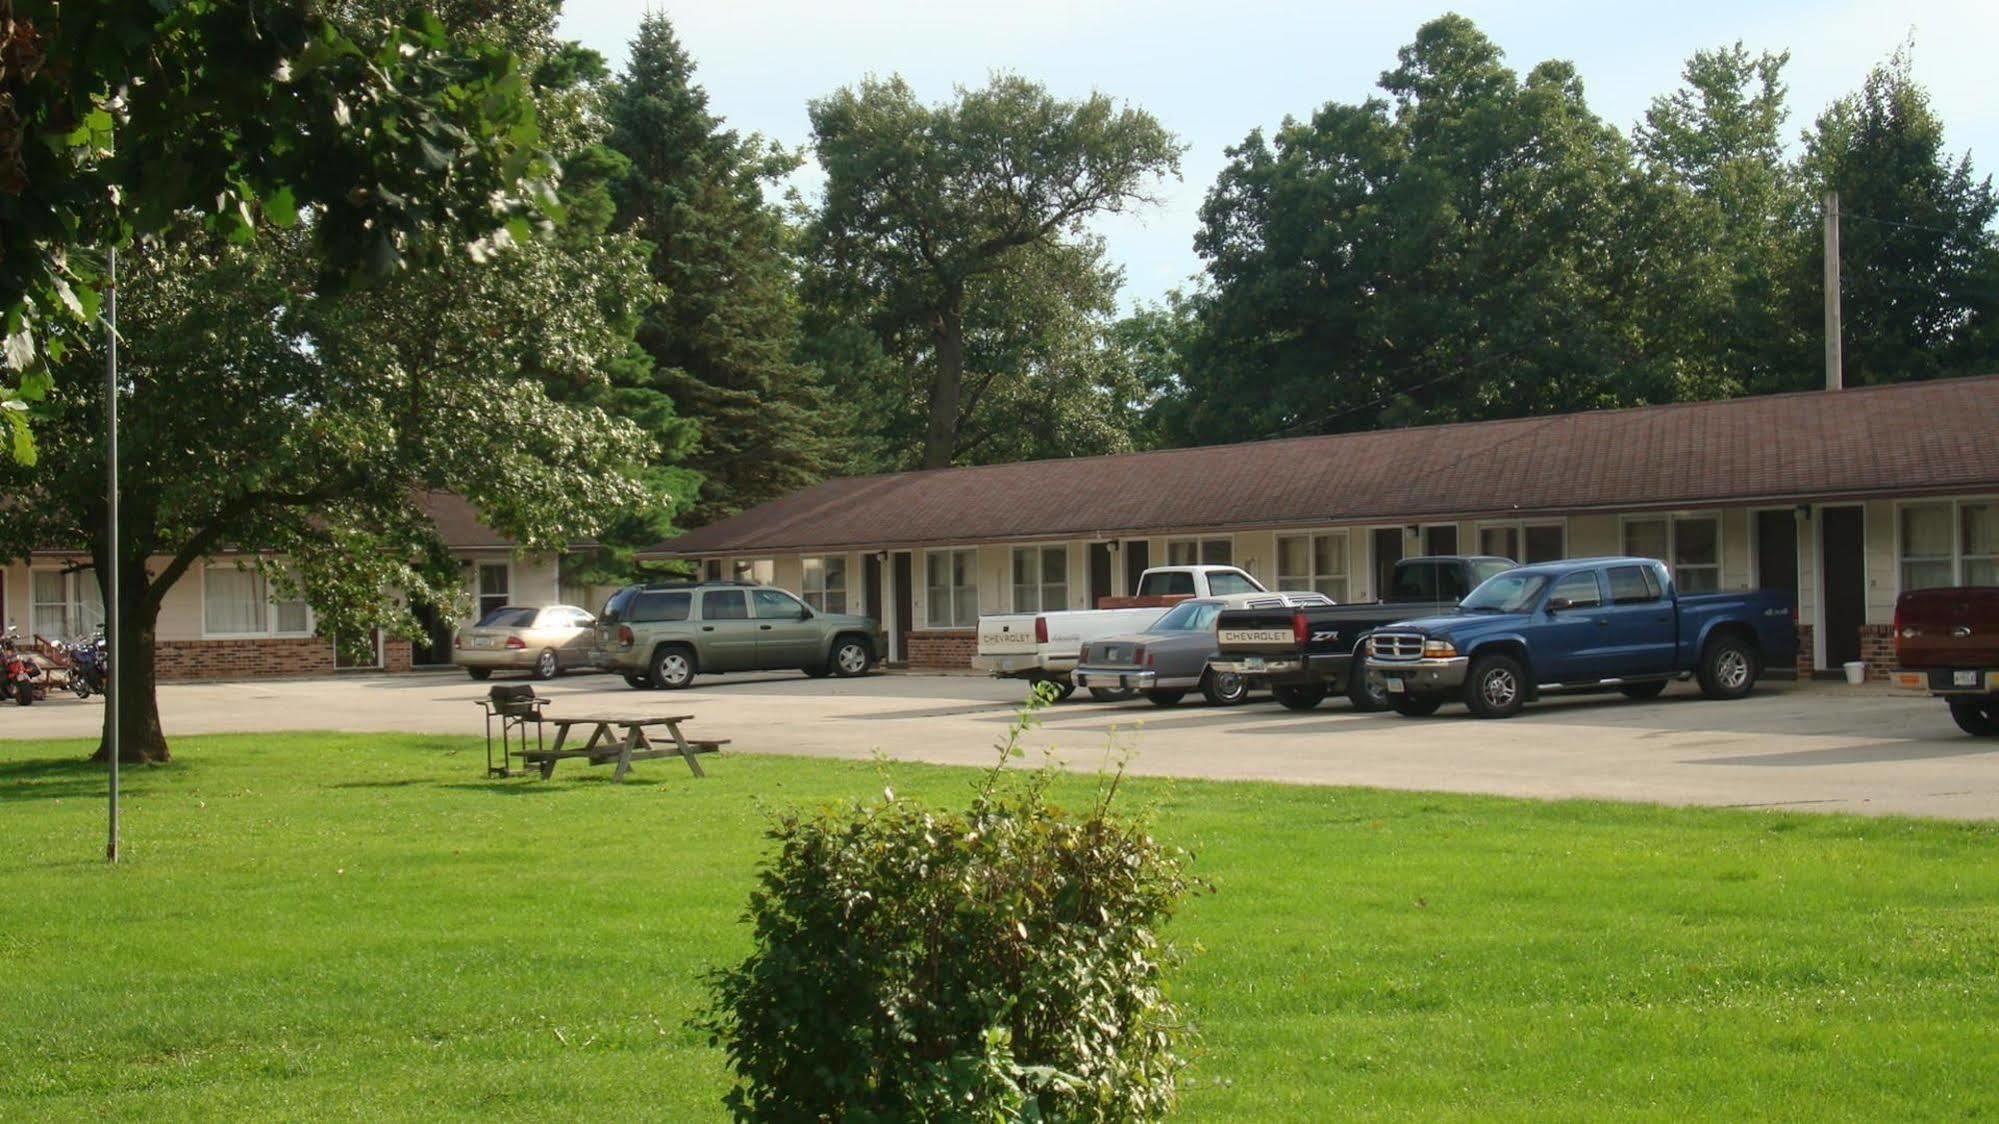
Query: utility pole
pixel 109 578
pixel 1834 376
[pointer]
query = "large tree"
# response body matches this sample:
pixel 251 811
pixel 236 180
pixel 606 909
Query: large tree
pixel 1919 258
pixel 290 423
pixel 1451 252
pixel 1725 250
pixel 930 210
pixel 724 335
pixel 123 117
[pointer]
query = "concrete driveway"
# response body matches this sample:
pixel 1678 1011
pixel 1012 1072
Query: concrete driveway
pixel 1817 746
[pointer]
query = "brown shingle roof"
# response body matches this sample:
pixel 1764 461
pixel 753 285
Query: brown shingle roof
pixel 1930 437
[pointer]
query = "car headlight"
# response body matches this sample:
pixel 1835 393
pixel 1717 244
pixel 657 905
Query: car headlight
pixel 1439 649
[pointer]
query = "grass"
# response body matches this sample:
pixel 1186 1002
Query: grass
pixel 340 926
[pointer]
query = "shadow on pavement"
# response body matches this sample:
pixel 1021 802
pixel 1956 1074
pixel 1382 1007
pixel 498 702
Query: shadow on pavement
pixel 1856 754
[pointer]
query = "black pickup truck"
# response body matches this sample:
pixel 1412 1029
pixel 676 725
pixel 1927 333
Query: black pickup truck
pixel 1303 655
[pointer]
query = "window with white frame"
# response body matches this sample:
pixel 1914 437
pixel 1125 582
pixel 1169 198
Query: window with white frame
pixel 1440 538
pixel 1949 544
pixel 1040 579
pixel 495 586
pixel 951 589
pixel 1690 544
pixel 239 601
pixel 65 605
pixel 762 571
pixel 1524 542
pixel 1314 563
pixel 825 583
pixel 1200 552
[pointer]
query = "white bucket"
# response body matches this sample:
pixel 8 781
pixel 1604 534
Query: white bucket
pixel 1856 672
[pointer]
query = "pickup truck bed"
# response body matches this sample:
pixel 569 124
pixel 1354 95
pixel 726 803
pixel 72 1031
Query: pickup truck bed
pixel 1947 646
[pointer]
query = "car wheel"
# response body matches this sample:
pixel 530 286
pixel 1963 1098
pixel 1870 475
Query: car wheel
pixel 546 665
pixel 1417 706
pixel 1727 669
pixel 1226 689
pixel 1165 698
pixel 673 668
pixel 1642 690
pixel 1496 687
pixel 1366 691
pixel 1299 698
pixel 638 682
pixel 1113 694
pixel 479 674
pixel 851 657
pixel 1975 717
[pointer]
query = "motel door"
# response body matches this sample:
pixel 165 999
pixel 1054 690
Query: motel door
pixel 1843 566
pixel 1100 571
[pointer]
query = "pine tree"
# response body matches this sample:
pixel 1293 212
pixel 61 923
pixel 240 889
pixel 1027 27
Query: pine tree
pixel 724 338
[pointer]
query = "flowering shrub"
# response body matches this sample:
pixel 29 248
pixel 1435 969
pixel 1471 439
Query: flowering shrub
pixel 1001 963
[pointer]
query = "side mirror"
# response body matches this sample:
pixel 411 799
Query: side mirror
pixel 805 613
pixel 1557 604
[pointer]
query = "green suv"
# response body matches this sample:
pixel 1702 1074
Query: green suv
pixel 665 635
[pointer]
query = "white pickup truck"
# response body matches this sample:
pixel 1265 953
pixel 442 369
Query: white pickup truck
pixel 1047 646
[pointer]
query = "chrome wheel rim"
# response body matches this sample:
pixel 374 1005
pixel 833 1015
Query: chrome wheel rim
pixel 1376 689
pixel 1500 688
pixel 1732 669
pixel 546 665
pixel 673 669
pixel 853 659
pixel 1229 687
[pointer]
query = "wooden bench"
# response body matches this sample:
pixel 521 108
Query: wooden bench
pixel 606 747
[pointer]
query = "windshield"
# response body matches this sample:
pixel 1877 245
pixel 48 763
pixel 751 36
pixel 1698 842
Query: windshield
pixel 1188 616
pixel 1506 593
pixel 1481 571
pixel 508 617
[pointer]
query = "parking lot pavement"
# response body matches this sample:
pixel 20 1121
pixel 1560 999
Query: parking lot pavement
pixel 1813 747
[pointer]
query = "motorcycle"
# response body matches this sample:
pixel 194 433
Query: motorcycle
pixel 21 673
pixel 89 666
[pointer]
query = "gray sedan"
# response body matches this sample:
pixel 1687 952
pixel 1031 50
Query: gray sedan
pixel 1171 658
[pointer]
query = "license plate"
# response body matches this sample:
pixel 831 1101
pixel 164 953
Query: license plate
pixel 1007 664
pixel 1394 682
pixel 1252 663
pixel 482 641
pixel 1964 679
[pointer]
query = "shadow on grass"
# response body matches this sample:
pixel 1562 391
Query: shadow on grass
pixel 56 778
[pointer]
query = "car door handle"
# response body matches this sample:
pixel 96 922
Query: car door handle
pixel 763 628
pixel 1603 622
pixel 707 628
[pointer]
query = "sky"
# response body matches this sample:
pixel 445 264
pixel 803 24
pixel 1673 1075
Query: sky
pixel 1213 71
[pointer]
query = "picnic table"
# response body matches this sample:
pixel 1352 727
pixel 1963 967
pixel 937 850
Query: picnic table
pixel 606 746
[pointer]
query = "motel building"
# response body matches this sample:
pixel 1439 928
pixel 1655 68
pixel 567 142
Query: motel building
pixel 1846 497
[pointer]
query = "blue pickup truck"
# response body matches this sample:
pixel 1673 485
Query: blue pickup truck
pixel 1587 624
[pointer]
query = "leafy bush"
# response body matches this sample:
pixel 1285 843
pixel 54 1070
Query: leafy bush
pixel 1001 963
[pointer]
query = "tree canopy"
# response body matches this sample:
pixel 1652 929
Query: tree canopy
pixel 942 222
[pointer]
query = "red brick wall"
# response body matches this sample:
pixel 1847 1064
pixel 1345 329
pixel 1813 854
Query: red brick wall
pixel 184 660
pixel 1805 654
pixel 943 651
pixel 180 660
pixel 1877 649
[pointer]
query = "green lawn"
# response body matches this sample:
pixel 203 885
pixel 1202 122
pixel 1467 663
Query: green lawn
pixel 359 926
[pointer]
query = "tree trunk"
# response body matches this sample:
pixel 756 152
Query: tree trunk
pixel 141 739
pixel 940 444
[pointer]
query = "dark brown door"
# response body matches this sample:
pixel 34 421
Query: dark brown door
pixel 1777 550
pixel 1387 552
pixel 1842 551
pixel 905 603
pixel 434 648
pixel 871 583
pixel 1137 558
pixel 1100 571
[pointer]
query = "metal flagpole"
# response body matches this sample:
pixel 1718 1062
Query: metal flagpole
pixel 112 624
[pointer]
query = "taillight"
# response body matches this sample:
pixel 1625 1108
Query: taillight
pixel 1300 631
pixel 457 641
pixel 625 638
pixel 1897 626
pixel 1142 658
pixel 516 642
pixel 1041 630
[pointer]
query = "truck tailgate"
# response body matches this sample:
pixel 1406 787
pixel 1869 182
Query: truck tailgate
pixel 1256 630
pixel 1011 635
pixel 1948 627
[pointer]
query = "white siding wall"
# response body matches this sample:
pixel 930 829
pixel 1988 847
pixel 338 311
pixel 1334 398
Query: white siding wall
pixel 1884 577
